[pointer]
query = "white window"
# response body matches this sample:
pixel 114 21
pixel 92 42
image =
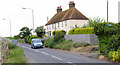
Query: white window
pixel 65 23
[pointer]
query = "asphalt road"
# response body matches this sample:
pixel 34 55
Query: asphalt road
pixel 46 55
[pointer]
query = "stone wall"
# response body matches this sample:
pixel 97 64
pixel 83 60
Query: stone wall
pixel 89 38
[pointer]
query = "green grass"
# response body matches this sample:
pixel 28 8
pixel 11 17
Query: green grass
pixel 10 38
pixel 20 41
pixel 16 55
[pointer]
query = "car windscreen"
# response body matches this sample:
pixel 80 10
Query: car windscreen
pixel 36 41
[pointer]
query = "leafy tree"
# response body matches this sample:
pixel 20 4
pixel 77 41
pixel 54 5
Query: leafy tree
pixel 40 31
pixel 94 21
pixel 25 31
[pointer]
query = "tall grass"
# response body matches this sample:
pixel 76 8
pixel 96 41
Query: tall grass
pixel 15 55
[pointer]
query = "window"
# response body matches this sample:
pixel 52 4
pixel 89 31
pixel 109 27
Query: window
pixel 65 23
pixel 62 24
pixel 55 26
pixel 52 25
pixel 58 25
pixel 47 27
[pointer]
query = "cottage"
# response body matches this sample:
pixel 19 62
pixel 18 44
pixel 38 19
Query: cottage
pixel 65 20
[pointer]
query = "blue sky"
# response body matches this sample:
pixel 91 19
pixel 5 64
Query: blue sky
pixel 12 9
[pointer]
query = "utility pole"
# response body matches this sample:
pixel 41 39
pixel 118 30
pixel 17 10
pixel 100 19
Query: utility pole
pixel 107 10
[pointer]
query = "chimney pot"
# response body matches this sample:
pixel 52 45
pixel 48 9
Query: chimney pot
pixel 71 4
pixel 59 9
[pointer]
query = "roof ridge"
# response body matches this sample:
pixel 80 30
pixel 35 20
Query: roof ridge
pixel 72 13
pixel 67 11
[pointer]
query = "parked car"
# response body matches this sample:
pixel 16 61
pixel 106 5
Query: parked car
pixel 36 43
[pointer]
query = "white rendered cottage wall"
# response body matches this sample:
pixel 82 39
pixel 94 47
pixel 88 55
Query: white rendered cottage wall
pixel 65 25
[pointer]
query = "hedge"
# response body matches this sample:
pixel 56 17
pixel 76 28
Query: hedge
pixel 55 32
pixel 89 30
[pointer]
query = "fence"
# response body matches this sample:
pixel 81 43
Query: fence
pixel 4 49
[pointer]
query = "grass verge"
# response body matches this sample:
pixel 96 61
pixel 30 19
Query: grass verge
pixel 15 54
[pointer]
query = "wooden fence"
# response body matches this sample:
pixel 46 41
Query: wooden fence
pixel 4 49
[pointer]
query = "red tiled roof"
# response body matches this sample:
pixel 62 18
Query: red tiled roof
pixel 69 14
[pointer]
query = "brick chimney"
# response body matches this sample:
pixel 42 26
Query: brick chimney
pixel 71 4
pixel 59 9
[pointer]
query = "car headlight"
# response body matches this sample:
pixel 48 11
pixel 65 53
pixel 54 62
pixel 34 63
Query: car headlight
pixel 35 44
pixel 41 44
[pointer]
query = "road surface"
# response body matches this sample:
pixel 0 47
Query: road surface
pixel 46 55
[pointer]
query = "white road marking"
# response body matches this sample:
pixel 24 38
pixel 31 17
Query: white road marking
pixel 57 57
pixel 69 62
pixel 36 50
pixel 44 53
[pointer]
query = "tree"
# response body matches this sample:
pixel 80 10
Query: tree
pixel 25 31
pixel 95 20
pixel 40 31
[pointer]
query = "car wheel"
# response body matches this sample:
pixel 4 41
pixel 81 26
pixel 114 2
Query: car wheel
pixel 33 47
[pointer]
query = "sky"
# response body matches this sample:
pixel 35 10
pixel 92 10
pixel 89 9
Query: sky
pixel 12 10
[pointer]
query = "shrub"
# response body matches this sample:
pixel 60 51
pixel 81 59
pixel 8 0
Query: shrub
pixel 71 31
pixel 55 32
pixel 58 36
pixel 83 31
pixel 105 29
pixel 48 42
pixel 11 46
pixel 115 56
pixel 66 46
pixel 28 39
pixel 44 36
pixel 112 44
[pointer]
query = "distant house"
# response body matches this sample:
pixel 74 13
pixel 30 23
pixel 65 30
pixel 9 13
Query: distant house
pixel 65 20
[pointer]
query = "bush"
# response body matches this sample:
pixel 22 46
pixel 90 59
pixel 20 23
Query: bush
pixel 44 36
pixel 12 46
pixel 105 29
pixel 16 36
pixel 71 31
pixel 28 39
pixel 55 32
pixel 89 30
pixel 115 56
pixel 49 42
pixel 58 36
pixel 112 44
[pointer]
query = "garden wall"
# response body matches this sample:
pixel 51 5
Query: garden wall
pixel 89 38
